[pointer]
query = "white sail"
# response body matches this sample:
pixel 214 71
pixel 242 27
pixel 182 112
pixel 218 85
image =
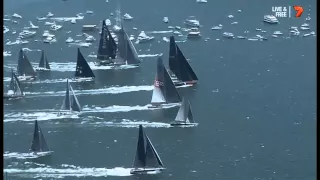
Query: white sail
pixel 157 96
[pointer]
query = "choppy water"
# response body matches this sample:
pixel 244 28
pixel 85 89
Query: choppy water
pixel 255 102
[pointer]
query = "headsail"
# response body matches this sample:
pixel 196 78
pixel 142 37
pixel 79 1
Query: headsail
pixel 140 158
pixel 152 157
pixel 24 65
pixel 83 69
pixel 39 143
pixel 178 64
pixel 15 84
pixel 75 105
pixel 70 101
pixel 66 105
pixel 182 113
pixel 107 46
pixel 190 115
pixel 126 49
pixel 44 61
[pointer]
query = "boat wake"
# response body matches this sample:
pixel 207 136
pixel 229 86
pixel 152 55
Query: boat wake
pixel 65 170
pixel 40 116
pixel 49 114
pixel 110 90
pixel 18 155
pixel 71 66
pixel 140 55
pixel 127 124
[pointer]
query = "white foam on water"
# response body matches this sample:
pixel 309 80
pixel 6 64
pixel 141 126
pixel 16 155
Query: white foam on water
pixel 50 114
pixel 110 90
pixel 6 53
pixel 140 55
pixel 18 155
pixel 128 124
pixel 40 116
pixel 116 108
pixel 71 66
pixel 159 32
pixel 69 171
pixel 49 81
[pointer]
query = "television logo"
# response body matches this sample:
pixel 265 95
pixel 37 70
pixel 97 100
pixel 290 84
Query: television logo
pixel 283 11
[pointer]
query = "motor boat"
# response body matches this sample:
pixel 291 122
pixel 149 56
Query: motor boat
pixel 142 37
pixel 194 33
pixel 270 19
pixel 191 21
pixel 165 19
pixel 228 35
pixel 26 34
pixel 127 17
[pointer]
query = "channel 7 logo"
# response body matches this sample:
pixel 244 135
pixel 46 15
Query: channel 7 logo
pixel 285 11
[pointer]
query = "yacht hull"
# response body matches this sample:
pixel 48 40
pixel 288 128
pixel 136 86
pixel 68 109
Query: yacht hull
pixel 146 170
pixel 42 69
pixel 26 78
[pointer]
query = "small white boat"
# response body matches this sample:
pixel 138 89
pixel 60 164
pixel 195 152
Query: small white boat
pixel 32 26
pixel 89 28
pixel 228 35
pixel 5 29
pixel 277 33
pixel 194 33
pixel 108 22
pixel 143 37
pixel 55 27
pixel 217 27
pixel 201 1
pixel 241 37
pixel 127 16
pixel 49 15
pixel 69 40
pixel 270 19
pixel 50 39
pixel 165 20
pixel 177 27
pixel 15 15
pixel 89 12
pixel 49 23
pixel 26 34
pixel 73 21
pixel 191 21
pixel 258 29
pixel 306 35
pixel 304 28
pixel 41 18
pixel 116 28
pixel 89 38
pixel 26 78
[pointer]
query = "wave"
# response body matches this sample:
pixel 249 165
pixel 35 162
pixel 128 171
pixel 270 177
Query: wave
pixel 68 171
pixel 51 114
pixel 18 155
pixel 110 90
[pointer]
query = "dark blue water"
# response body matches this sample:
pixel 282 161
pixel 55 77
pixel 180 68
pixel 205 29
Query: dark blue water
pixel 255 101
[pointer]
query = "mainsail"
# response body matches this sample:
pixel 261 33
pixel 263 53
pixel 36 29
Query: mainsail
pixel 185 112
pixel 24 65
pixel 39 143
pixel 83 69
pixel 107 46
pixel 163 86
pixel 15 84
pixel 44 61
pixel 126 49
pixel 146 155
pixel 179 65
pixel 70 101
